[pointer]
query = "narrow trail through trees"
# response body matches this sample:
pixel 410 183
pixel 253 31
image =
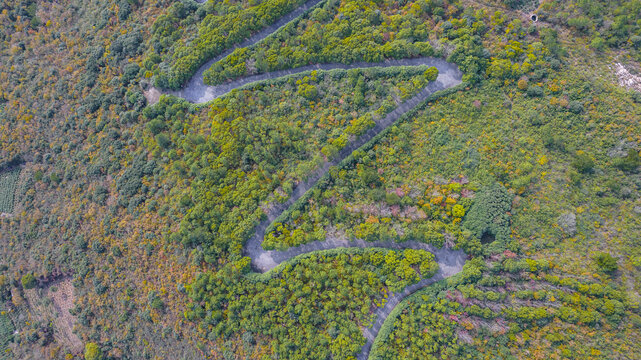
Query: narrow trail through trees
pixel 450 261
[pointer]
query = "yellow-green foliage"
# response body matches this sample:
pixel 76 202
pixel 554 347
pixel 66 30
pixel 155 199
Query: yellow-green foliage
pixel 150 208
pixel 319 298
pixel 92 352
pixel 338 31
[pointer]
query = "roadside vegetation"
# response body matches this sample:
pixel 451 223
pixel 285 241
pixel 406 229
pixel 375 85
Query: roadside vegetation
pixel 532 167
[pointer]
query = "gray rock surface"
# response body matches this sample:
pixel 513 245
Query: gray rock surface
pixel 567 222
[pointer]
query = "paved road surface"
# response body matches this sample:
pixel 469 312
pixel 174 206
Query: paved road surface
pixel 450 261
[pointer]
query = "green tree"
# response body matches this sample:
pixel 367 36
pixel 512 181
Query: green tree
pixel 458 210
pixel 597 43
pixel 431 74
pixel 163 140
pixel 631 162
pixel 308 91
pixel 92 352
pixel 583 163
pixel 606 262
pixel 489 213
pixel 370 177
pixel 28 281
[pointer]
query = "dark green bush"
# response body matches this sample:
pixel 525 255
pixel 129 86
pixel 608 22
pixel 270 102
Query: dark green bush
pixel 606 262
pixel 576 107
pixel 28 281
pixel 392 199
pixel 488 215
pixel 535 91
pixel 583 163
pixel 629 163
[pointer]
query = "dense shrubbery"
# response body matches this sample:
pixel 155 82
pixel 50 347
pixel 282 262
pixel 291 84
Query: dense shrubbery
pixel 343 32
pixel 92 352
pixel 373 208
pixel 105 186
pixel 219 26
pixel 489 213
pixel 28 281
pixel 311 307
pixel 631 162
pixel 612 23
pixel 421 331
pixel 269 144
pixel 606 262
pixel 473 310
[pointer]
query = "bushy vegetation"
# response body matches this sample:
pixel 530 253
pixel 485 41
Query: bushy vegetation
pixel 366 202
pixel 612 24
pixel 488 215
pixel 186 36
pixel 265 147
pixel 92 352
pixel 28 281
pixel 555 314
pixel 606 262
pixel 311 307
pixel 338 31
pixel 148 207
pixel 421 332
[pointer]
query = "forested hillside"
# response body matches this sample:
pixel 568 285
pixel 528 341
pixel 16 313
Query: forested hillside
pixel 490 208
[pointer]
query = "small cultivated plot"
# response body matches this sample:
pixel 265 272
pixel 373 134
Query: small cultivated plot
pixel 53 305
pixel 6 333
pixel 8 182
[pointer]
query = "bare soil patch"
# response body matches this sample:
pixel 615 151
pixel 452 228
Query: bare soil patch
pixel 53 303
pixel 63 302
pixel 152 95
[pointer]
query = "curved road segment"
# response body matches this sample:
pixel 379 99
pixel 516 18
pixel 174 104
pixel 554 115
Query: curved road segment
pixel 450 261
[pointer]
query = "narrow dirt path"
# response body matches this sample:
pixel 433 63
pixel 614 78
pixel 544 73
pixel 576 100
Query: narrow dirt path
pixel 450 261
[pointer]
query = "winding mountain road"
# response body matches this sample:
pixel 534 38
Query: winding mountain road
pixel 196 91
pixel 450 261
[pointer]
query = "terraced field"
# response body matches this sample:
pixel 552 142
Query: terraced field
pixel 8 183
